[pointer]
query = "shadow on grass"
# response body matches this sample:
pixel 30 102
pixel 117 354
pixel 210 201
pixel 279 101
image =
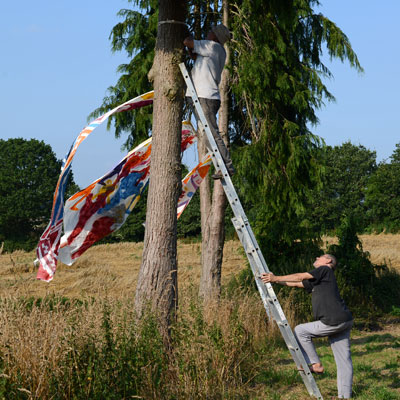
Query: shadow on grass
pixel 379 338
pixel 375 344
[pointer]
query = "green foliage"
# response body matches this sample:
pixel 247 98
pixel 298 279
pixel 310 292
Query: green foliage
pixel 113 365
pixel 277 85
pixel 136 35
pixel 244 281
pixel 189 223
pixel 366 288
pixel 348 169
pixel 49 303
pixel 29 171
pixel 278 79
pixel 383 195
pixel 395 311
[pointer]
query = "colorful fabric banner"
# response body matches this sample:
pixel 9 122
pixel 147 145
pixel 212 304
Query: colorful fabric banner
pixel 47 249
pixel 104 206
pixel 191 182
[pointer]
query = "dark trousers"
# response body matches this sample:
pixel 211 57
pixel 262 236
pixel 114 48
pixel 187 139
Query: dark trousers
pixel 210 108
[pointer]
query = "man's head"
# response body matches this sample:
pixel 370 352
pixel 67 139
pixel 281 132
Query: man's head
pixel 326 259
pixel 219 33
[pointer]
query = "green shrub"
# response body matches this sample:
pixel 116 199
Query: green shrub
pixel 367 288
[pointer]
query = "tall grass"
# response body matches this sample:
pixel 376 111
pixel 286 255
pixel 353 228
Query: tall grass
pixel 63 349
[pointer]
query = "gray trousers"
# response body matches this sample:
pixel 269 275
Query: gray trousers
pixel 339 339
pixel 210 108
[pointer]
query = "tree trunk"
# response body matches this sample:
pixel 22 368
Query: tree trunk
pixel 157 281
pixel 213 212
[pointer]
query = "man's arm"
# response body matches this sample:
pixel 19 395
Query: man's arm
pixel 294 284
pixel 189 43
pixel 287 280
pixel 205 48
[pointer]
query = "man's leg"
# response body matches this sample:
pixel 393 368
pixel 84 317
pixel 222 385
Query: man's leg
pixel 304 334
pixel 340 343
pixel 210 108
pixel 339 337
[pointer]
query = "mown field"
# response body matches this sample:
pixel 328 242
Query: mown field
pixel 90 347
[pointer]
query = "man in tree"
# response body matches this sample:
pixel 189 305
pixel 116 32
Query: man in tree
pixel 333 319
pixel 210 56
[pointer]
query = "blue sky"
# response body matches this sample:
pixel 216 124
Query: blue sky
pixel 366 107
pixel 56 65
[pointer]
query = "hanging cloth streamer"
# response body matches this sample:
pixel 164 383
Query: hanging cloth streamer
pixel 104 206
pixel 47 249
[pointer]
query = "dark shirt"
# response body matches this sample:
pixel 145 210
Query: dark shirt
pixel 328 306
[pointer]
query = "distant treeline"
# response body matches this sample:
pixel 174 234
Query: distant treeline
pixel 353 183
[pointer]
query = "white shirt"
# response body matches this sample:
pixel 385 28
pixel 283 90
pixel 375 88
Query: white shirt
pixel 207 69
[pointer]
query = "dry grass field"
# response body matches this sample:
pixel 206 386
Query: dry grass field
pixel 112 269
pixel 229 350
pixel 383 248
pixel 107 270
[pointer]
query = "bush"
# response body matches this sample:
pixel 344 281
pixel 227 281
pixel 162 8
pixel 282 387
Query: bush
pixel 26 244
pixel 366 287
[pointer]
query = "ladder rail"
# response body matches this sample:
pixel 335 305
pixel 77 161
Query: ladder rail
pixel 252 249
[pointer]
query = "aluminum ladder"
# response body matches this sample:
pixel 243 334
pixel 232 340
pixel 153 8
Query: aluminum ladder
pixel 254 255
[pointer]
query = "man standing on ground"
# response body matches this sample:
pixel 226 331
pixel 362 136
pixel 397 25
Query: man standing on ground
pixel 210 56
pixel 333 319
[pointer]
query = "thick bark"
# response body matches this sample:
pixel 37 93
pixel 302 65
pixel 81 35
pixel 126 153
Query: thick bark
pixel 213 212
pixel 157 281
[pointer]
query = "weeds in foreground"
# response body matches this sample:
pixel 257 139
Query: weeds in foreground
pixel 55 348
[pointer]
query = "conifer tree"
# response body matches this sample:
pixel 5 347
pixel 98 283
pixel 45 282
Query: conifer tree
pixel 278 75
pixel 136 35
